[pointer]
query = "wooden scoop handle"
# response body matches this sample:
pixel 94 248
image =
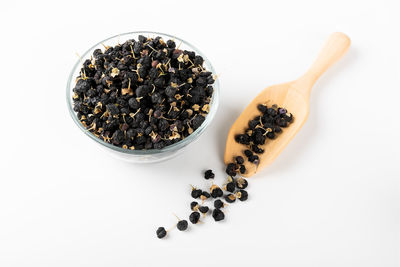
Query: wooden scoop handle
pixel 335 47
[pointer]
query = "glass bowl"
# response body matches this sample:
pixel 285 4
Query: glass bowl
pixel 151 155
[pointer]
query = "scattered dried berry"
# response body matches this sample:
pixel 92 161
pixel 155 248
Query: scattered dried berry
pixel 218 204
pixel 242 195
pixel 203 209
pixel 196 193
pixel 161 232
pixel 204 195
pixel 266 126
pixel 194 217
pixel 209 174
pixel 218 215
pixel 230 198
pixel 241 183
pixel 216 191
pixel 231 169
pixel 230 187
pixel 182 225
pixel 194 206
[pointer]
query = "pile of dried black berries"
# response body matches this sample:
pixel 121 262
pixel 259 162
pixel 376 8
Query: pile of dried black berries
pixel 216 193
pixel 268 125
pixel 143 94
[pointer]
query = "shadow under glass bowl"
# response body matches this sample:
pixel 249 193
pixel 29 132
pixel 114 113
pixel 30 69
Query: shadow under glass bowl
pixel 151 155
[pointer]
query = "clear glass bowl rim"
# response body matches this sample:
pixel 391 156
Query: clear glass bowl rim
pixel 173 147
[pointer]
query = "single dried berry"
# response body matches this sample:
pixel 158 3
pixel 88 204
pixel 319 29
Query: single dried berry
pixel 241 183
pixel 194 217
pixel 271 135
pixel 242 195
pixel 230 198
pixel 204 195
pixel 216 191
pixel 242 169
pixel 253 124
pixel 197 121
pixel 218 204
pixel 254 159
pixel 257 149
pixel 161 232
pixel 182 225
pixel 203 209
pixel 271 112
pixel 230 187
pixel 262 108
pixel 196 193
pixel 248 153
pixel 242 139
pixel 209 174
pixel 218 215
pixel 231 169
pixel 194 206
pixel 239 160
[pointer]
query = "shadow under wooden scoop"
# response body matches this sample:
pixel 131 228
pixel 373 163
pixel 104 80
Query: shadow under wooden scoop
pixel 293 96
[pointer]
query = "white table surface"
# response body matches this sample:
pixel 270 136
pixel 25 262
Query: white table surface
pixel 332 198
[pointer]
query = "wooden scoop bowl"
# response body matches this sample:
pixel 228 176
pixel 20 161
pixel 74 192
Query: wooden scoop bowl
pixel 293 96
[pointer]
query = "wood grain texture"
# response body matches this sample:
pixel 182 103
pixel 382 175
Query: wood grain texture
pixel 294 96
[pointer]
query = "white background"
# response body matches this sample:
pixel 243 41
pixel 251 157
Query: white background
pixel 330 199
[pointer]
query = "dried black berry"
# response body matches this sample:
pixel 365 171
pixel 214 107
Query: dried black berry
pixel 218 204
pixel 218 215
pixel 242 195
pixel 230 187
pixel 197 121
pixel 170 44
pixel 196 193
pixel 271 135
pixel 239 160
pixel 271 112
pixel 262 108
pixel 204 195
pixel 248 153
pixel 194 217
pixel 231 169
pixel 170 91
pixel 257 149
pixel 241 183
pixel 242 169
pixel 230 198
pixel 209 174
pixel 242 139
pixel 254 159
pixel 203 209
pixel 182 225
pixel 133 103
pixel 253 124
pixel 161 232
pixel 194 206
pixel 216 191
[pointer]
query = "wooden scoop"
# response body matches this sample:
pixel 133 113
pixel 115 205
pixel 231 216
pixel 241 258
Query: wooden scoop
pixel 293 96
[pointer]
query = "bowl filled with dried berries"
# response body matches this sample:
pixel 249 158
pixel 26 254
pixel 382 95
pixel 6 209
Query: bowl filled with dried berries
pixel 143 96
